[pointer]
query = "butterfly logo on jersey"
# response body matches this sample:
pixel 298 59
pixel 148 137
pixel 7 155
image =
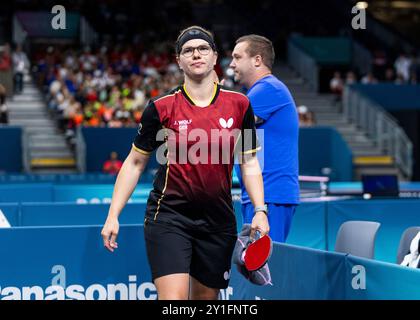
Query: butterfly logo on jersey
pixel 226 124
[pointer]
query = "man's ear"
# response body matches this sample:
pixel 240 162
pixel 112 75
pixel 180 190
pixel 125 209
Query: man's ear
pixel 258 61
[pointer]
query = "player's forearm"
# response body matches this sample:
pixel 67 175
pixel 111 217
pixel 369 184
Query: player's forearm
pixel 253 181
pixel 125 184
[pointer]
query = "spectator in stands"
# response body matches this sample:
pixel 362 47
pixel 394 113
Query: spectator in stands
pixel 225 59
pixel 389 75
pixel 413 78
pixel 4 118
pixel 229 78
pixel 369 78
pixel 402 66
pixel 310 119
pixel 113 164
pixel 336 85
pixel 5 58
pixel 306 116
pixel 399 79
pixel 302 113
pixel 275 113
pixel 379 64
pixel 20 66
pixel 351 78
pixel 417 64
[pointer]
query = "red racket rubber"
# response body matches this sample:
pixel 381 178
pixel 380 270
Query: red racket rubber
pixel 257 253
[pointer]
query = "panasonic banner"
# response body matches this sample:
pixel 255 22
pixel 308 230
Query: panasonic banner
pixel 57 263
pixel 70 262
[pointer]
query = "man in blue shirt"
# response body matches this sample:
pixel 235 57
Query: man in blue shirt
pixel 278 130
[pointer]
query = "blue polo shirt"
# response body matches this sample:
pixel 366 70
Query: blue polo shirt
pixel 278 136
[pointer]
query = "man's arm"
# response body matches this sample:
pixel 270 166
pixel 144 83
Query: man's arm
pixel 253 182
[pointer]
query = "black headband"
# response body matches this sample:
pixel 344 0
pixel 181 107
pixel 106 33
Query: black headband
pixel 194 34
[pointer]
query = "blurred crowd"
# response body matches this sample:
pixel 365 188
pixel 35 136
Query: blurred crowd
pixel 109 86
pixel 102 87
pixel 404 70
pixel 106 87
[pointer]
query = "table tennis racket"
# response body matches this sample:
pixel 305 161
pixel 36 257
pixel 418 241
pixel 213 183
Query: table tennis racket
pixel 257 253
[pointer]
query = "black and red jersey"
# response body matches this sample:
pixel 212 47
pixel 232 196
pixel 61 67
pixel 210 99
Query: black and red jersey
pixel 197 146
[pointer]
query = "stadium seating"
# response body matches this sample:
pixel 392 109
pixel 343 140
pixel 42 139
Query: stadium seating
pixel 357 238
pixel 405 242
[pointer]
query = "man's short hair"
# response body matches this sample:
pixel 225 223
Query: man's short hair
pixel 259 45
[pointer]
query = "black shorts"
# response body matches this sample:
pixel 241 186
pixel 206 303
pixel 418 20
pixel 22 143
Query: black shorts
pixel 204 255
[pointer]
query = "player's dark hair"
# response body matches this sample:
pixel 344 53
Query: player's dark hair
pixel 194 32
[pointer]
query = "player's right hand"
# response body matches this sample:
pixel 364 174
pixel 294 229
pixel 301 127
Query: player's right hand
pixel 259 224
pixel 109 234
